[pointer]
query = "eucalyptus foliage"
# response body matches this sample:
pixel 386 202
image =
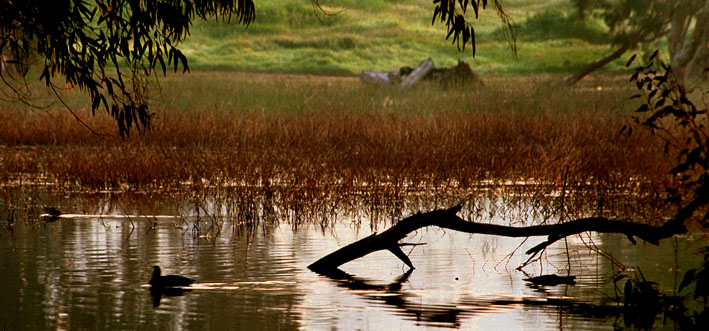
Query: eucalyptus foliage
pixel 107 48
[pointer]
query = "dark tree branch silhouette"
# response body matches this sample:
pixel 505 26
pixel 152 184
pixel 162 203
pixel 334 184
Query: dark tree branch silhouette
pixel 447 218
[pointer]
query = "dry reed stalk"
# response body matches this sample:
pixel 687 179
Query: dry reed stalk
pixel 378 150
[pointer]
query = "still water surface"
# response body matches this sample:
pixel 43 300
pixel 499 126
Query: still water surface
pixel 86 272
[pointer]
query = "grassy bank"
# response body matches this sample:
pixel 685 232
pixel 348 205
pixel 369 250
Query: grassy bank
pixel 290 36
pixel 320 141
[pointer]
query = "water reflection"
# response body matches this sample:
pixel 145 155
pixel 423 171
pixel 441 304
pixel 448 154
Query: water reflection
pixel 403 304
pixel 91 272
pixel 156 293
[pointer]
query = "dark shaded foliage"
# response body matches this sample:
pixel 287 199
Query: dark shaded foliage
pixel 633 23
pixel 699 277
pixel 667 111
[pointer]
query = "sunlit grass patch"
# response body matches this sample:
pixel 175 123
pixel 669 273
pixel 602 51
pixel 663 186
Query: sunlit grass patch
pixel 293 37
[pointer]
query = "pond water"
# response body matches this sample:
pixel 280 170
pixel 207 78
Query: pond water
pixel 91 272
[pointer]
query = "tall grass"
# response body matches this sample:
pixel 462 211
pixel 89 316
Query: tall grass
pixel 316 145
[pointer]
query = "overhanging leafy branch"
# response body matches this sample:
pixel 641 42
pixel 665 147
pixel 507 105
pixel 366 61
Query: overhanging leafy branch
pixel 106 48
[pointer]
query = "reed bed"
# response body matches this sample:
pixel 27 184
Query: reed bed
pixel 307 148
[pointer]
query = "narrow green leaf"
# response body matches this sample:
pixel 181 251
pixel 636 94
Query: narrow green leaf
pixel 630 61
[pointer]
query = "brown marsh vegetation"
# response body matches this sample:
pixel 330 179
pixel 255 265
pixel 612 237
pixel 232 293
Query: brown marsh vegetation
pixel 304 147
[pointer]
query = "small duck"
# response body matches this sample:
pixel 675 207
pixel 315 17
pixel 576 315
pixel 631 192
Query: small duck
pixel 158 281
pixel 51 214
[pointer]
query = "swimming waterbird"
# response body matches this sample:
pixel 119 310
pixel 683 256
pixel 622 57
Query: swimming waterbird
pixel 169 280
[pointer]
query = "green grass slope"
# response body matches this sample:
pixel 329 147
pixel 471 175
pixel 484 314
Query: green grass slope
pixel 290 36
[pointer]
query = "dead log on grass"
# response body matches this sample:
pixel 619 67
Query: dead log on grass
pixel 404 77
pixel 421 70
pixel 447 218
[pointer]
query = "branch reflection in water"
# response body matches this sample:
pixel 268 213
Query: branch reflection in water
pixel 449 315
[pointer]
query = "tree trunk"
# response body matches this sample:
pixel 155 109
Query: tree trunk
pixel 689 49
pixel 597 65
pixel 696 71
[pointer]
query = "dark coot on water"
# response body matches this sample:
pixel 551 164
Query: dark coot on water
pixel 169 280
pixel 51 214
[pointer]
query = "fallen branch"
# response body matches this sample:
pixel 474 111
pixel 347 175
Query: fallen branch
pixel 447 218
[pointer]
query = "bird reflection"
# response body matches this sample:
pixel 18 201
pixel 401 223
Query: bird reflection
pixel 158 292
